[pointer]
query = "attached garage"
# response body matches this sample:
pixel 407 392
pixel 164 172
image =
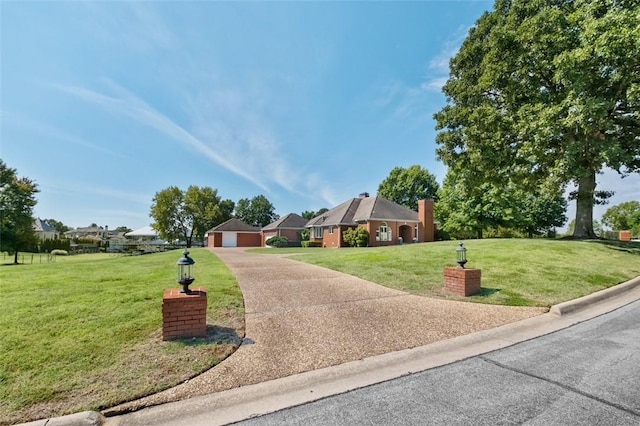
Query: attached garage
pixel 234 233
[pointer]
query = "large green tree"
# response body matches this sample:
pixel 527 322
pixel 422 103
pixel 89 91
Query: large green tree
pixel 468 207
pixel 188 215
pixel 547 89
pixel 406 186
pixel 17 200
pixel 624 216
pixel 541 211
pixel 257 211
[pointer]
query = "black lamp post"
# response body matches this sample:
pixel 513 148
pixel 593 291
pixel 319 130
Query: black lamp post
pixel 462 255
pixel 185 271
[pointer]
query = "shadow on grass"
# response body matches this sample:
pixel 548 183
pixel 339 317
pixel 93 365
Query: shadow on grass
pixel 486 292
pixel 632 247
pixel 215 336
pixel 507 297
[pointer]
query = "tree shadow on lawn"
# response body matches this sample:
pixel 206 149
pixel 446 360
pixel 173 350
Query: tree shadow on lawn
pixel 506 297
pixel 632 247
pixel 486 291
pixel 216 335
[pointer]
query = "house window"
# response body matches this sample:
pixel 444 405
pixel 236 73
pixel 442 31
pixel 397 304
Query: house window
pixel 383 233
pixel 317 232
pixel 331 230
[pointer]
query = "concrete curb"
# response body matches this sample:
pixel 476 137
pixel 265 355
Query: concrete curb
pixel 588 300
pixel 84 418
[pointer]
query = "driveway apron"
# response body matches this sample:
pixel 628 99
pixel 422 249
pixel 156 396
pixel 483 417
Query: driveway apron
pixel 301 317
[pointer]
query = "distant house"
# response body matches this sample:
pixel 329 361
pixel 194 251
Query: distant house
pixel 234 233
pixel 145 233
pixel 117 242
pixel 44 231
pixel 145 239
pixel 90 232
pixel 388 223
pixel 288 226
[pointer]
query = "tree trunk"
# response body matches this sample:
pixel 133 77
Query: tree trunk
pixel 15 257
pixel 584 210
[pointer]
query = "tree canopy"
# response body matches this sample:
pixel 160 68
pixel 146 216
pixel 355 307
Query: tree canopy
pixel 406 186
pixel 546 90
pixel 468 207
pixel 257 211
pixel 623 217
pixel 185 215
pixel 17 200
pixel 310 214
pixel 58 226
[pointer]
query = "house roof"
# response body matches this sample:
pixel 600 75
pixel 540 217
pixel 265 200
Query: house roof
pixel 290 221
pixel 86 230
pixel 379 208
pixel 236 225
pixel 146 231
pixel 362 210
pixel 40 225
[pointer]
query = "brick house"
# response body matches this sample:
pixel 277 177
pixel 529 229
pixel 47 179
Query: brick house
pixel 234 233
pixel 388 223
pixel 287 226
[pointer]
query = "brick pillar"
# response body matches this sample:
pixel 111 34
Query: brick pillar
pixel 624 236
pixel 463 282
pixel 184 315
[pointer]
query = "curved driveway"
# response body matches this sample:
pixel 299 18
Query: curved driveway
pixel 301 317
pixel 586 374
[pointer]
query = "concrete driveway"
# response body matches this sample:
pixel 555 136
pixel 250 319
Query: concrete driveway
pixel 301 317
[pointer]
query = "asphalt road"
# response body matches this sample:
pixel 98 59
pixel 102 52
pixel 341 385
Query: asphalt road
pixel 587 374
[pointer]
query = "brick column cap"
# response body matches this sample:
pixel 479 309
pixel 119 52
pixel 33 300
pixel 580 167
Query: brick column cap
pixel 175 293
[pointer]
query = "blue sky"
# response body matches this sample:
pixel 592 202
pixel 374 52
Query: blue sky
pixel 104 104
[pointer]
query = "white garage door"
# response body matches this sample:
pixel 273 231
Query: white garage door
pixel 229 239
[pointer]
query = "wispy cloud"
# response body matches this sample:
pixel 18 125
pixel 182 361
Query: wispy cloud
pixel 408 99
pixel 239 121
pixel 51 132
pixel 135 26
pixel 77 187
pixel 128 104
pixel 438 67
pixel 402 100
pixel 228 131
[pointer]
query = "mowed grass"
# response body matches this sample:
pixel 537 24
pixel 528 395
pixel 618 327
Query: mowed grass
pixel 517 272
pixel 85 332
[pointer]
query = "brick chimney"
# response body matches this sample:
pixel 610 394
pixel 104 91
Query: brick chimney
pixel 426 228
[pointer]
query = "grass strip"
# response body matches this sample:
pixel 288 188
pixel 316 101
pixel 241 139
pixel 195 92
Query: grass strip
pixel 515 272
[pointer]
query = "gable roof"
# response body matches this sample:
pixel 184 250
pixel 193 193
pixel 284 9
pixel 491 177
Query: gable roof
pixel 145 231
pixel 236 225
pixel 290 221
pixel 362 210
pixel 379 208
pixel 40 225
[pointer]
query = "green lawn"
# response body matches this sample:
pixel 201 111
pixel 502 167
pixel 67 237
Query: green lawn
pixel 535 272
pixel 85 332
